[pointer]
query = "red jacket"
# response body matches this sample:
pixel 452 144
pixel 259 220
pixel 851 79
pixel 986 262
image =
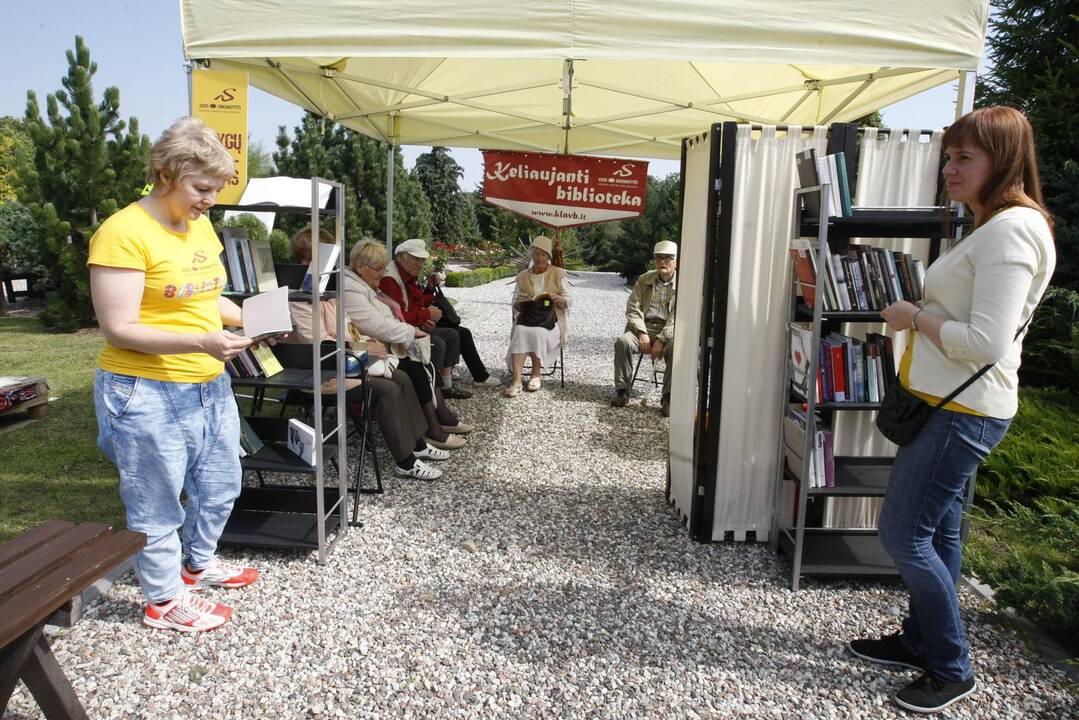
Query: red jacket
pixel 418 300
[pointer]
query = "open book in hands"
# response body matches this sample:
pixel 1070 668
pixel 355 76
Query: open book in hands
pixel 266 315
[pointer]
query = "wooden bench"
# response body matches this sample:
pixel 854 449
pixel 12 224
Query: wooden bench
pixel 40 571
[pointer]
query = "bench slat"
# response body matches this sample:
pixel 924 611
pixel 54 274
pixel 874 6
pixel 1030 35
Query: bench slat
pixel 41 560
pixel 17 547
pixel 36 601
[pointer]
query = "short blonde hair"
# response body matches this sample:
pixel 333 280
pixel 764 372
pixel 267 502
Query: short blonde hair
pixel 186 148
pixel 369 253
pixel 299 247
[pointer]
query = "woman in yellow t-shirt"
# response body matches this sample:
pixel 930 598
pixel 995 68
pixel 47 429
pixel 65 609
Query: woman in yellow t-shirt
pixel 165 411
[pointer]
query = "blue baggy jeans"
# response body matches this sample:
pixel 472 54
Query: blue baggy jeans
pixel 919 527
pixel 166 438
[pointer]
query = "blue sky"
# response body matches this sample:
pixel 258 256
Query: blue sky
pixel 137 47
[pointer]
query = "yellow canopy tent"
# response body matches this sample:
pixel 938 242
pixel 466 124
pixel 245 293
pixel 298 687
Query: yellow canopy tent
pixel 628 78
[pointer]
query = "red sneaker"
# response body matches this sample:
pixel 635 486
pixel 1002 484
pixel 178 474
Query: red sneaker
pixel 219 574
pixel 186 612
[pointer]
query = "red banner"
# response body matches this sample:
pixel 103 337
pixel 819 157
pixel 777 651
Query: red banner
pixel 564 190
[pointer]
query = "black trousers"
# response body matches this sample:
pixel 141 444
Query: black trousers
pixel 421 383
pixel 468 350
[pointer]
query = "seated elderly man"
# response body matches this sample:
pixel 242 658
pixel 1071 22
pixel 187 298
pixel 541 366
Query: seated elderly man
pixel 401 284
pixel 649 325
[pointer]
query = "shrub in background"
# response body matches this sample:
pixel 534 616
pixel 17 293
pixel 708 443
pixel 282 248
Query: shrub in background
pixel 479 276
pixel 1051 347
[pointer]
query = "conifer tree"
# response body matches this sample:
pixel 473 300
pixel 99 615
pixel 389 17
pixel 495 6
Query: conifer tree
pixel 439 174
pixel 85 163
pixel 320 147
pixel 1033 46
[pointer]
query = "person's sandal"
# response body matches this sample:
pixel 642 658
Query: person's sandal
pixel 419 471
pixel 461 428
pixel 534 384
pixel 513 390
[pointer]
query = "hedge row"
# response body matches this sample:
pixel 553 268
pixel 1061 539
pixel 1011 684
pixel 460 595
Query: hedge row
pixel 479 276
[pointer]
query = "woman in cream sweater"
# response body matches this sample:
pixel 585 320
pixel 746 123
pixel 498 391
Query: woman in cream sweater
pixel 543 285
pixel 977 296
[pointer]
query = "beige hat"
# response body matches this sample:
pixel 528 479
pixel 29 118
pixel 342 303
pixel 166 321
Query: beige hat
pixel 665 247
pixel 414 247
pixel 543 243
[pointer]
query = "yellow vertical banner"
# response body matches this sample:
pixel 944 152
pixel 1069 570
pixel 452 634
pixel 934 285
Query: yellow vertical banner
pixel 219 99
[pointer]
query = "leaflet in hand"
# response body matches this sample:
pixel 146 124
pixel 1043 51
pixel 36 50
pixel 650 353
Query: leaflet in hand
pixel 266 315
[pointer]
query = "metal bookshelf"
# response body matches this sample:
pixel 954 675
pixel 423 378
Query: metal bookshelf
pixel 811 550
pixel 305 517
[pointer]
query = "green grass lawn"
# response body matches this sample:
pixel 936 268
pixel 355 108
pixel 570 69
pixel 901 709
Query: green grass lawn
pixel 52 469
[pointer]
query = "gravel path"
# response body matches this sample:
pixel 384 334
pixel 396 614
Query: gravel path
pixel 544 577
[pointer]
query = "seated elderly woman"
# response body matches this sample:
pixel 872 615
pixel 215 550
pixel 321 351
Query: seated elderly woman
pixel 376 315
pixel 394 404
pixel 539 306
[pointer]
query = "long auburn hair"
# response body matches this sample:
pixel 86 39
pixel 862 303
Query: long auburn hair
pixel 1006 134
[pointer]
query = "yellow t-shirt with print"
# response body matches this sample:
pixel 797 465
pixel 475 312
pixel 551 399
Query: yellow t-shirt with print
pixel 184 279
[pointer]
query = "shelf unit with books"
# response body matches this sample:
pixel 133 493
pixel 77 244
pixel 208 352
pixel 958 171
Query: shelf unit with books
pixel 305 517
pixel 819 360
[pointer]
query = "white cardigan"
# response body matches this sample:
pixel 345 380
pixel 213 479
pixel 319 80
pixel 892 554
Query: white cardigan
pixel 986 287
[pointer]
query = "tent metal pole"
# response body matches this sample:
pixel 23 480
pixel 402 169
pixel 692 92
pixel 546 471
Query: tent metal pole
pixel 389 198
pixel 964 96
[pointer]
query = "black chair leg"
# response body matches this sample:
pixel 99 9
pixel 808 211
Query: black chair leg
pixel 562 366
pixel 636 369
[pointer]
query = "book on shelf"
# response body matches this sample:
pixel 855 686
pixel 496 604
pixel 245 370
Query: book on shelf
pixel 262 261
pixel 233 260
pixel 866 278
pixel 250 442
pixel 805 270
pixel 301 441
pixel 327 257
pixel 822 462
pixel 266 360
pixel 266 314
pixel 801 348
pixel 812 170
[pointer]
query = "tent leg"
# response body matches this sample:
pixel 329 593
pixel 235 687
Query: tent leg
pixel 389 197
pixel 964 96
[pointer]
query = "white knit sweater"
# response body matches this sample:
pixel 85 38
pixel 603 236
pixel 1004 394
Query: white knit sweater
pixel 986 287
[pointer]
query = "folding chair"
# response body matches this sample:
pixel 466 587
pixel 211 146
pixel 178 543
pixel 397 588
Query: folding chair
pixel 298 355
pixel 656 372
pixel 559 365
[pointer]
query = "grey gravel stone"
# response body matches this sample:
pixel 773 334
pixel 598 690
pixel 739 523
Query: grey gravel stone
pixel 588 600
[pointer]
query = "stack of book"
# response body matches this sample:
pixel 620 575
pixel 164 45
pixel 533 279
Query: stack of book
pixel 248 262
pixel 848 369
pixel 254 361
pixel 865 278
pixel 814 170
pixel 822 461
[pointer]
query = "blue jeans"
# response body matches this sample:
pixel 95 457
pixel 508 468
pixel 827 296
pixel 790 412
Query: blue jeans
pixel 919 527
pixel 166 438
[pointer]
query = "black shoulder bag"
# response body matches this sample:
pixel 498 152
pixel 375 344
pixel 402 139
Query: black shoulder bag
pixel 450 318
pixel 902 413
pixel 537 313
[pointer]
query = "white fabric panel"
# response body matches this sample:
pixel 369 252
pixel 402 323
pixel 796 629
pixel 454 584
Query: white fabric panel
pixel 893 169
pixel 758 287
pixel 646 73
pixel 687 322
pixel 947 33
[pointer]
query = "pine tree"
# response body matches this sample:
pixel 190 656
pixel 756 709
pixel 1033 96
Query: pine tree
pixel 438 174
pixel 1034 49
pixel 320 147
pixel 83 167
